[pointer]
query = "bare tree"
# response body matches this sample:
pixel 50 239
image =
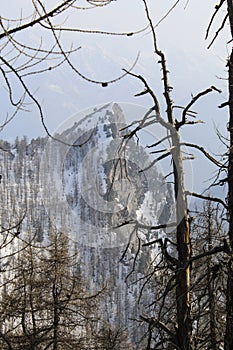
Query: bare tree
pixel 209 278
pixel 179 330
pixel 228 343
pixel 109 337
pixel 229 316
pixel 45 304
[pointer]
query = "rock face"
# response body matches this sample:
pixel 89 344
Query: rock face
pixel 91 186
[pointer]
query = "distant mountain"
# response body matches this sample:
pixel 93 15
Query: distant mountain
pixel 91 186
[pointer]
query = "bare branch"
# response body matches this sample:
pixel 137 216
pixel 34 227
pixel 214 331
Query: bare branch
pixel 207 155
pixel 157 324
pixel 165 155
pixel 173 262
pixel 224 104
pixel 167 13
pixel 218 31
pixel 224 248
pixel 162 61
pixel 209 198
pixel 194 99
pixel 32 23
pixel 159 142
pixel 147 227
pixel 93 31
pixel 103 83
pixel 147 90
pixel 217 8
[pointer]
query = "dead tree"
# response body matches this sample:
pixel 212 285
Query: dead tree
pixel 229 306
pixel 228 343
pixel 179 335
pixel 44 303
pixel 209 277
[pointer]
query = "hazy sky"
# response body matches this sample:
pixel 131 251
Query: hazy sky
pixel 181 35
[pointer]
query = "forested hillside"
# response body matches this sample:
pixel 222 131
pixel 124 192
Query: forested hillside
pixel 38 177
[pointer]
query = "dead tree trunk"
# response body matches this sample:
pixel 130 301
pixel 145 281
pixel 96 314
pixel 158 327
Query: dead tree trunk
pixel 228 341
pixel 210 281
pixel 184 319
pixel 229 306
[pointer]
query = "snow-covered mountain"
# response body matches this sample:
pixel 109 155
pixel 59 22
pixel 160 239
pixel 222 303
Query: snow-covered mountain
pixel 91 186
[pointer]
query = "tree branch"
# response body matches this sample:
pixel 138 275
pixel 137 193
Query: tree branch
pixel 158 324
pixel 212 159
pixel 167 87
pixel 32 23
pixel 213 199
pixel 224 248
pixel 218 31
pixel 217 8
pixel 194 99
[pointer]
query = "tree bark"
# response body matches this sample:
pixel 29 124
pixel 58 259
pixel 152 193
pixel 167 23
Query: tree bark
pixel 55 324
pixel 228 339
pixel 184 318
pixel 211 289
pixel 229 307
